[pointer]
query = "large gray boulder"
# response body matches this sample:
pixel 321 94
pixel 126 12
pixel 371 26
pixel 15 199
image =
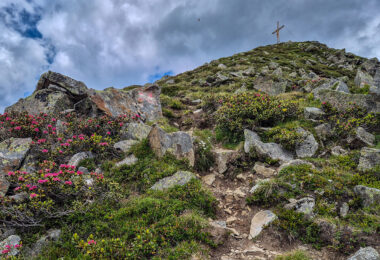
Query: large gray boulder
pixel 363 78
pixel 361 138
pixel 343 101
pixel 180 144
pixel 307 146
pixel 43 101
pixel 179 178
pixel 58 93
pixel 369 158
pixel 368 195
pixel 12 153
pixel 334 85
pixel 143 101
pixel 272 150
pixel 365 253
pixel 269 86
pixel 135 131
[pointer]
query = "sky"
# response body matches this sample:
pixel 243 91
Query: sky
pixel 124 42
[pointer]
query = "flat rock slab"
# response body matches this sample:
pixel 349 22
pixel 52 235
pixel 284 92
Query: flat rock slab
pixel 368 195
pixel 308 146
pixel 179 178
pixel 129 160
pixel 259 221
pixel 271 150
pixel 136 131
pixel 125 145
pixel 222 158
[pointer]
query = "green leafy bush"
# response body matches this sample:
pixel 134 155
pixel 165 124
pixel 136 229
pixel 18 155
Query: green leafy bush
pixel 248 110
pixel 287 137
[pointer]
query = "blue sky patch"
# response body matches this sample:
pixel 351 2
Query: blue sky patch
pixel 152 78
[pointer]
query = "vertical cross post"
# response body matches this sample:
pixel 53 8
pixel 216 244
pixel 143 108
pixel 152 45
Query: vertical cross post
pixel 277 31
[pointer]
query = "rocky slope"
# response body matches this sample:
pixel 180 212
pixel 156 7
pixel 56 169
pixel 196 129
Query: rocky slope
pixel 269 154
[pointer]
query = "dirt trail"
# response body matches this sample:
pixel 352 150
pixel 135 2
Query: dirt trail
pixel 232 208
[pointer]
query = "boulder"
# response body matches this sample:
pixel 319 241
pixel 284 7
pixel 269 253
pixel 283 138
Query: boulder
pixel 269 86
pixel 273 65
pixel 144 101
pixel 72 86
pixel 43 101
pixel 304 205
pixel 308 146
pixel 259 221
pixel 78 157
pixel 12 153
pixel 135 131
pixel 334 85
pixel 313 113
pixel 125 145
pixel 343 101
pixel 129 160
pixel 368 195
pixel 52 235
pixel 222 158
pixel 11 241
pixel 362 79
pixel 294 163
pixel 361 138
pixel 261 169
pixel 324 131
pixel 272 150
pixel 180 144
pixel 179 178
pixel 369 158
pixel 365 253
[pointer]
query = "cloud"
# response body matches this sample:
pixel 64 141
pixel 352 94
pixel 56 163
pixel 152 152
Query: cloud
pixel 118 43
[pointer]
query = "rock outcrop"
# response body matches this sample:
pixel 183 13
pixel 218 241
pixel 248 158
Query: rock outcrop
pixel 56 93
pixel 179 178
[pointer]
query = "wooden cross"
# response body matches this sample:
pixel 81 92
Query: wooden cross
pixel 277 31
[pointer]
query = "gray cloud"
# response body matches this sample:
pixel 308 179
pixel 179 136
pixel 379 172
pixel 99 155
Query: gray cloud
pixel 117 43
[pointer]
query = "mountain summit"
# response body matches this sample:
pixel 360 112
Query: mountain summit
pixel 272 153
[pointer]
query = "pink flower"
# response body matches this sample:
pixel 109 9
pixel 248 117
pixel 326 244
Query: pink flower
pixel 79 173
pixel 49 126
pixel 8 246
pixel 11 173
pixel 5 251
pixel 33 195
pixel 45 132
pixel 18 128
pixel 59 139
pixel 68 182
pixel 17 246
pixel 56 179
pixel 36 129
pixel 45 150
pixel 108 133
pixel 121 124
pixel 33 187
pixel 53 119
pixel 43 181
pixel 21 178
pixel 17 188
pixel 60 151
pixel 92 242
